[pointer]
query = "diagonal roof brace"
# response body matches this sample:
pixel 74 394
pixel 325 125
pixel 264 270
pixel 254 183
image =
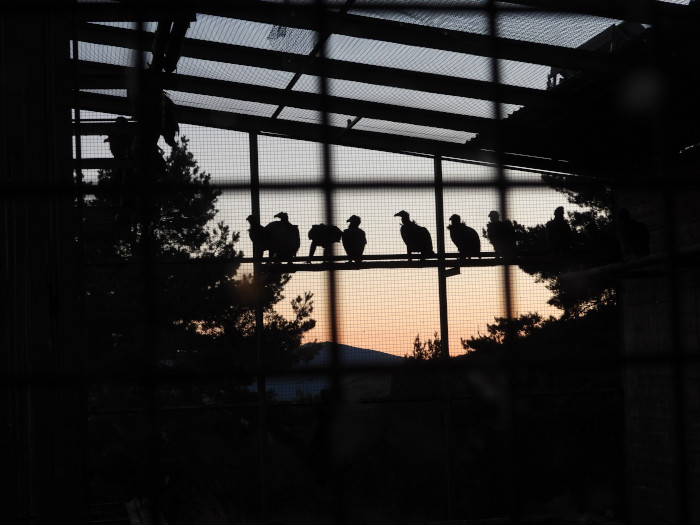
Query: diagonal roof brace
pixel 315 52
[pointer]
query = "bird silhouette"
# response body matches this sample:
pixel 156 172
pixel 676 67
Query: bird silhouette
pixel 354 239
pixel 501 235
pixel 559 233
pixel 259 235
pixel 465 238
pixel 323 235
pixel 632 235
pixel 169 125
pixel 120 141
pixel 417 238
pixel 284 240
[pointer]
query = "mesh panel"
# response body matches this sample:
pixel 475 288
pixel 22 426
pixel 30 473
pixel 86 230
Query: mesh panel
pixel 219 391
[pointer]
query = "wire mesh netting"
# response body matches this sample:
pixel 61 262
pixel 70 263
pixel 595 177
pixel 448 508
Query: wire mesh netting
pixel 372 262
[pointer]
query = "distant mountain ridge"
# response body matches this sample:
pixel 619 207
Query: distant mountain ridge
pixel 301 386
pixel 350 355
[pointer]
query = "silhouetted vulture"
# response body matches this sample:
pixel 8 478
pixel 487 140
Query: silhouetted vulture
pixel 169 125
pixel 354 239
pixel 283 237
pixel 259 235
pixel 323 235
pixel 501 235
pixel 120 141
pixel 632 235
pixel 417 238
pixel 465 238
pixel 559 233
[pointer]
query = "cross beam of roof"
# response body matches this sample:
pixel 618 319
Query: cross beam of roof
pixel 326 134
pixel 649 12
pixel 422 36
pixel 654 12
pixel 338 69
pixel 317 50
pixel 100 76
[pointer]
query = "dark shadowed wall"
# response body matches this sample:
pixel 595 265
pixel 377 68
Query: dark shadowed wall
pixel 41 394
pixel 660 308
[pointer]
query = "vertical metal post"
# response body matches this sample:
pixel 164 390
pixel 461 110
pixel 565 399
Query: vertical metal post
pixel 259 339
pixel 442 277
pixel 444 327
pixel 336 397
pixel 662 125
pixel 80 262
pixel 149 252
pixel 510 418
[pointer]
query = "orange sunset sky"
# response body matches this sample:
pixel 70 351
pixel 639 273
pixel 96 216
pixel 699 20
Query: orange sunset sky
pixel 380 309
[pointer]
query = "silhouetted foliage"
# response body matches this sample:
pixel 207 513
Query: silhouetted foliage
pixel 426 350
pixel 418 379
pixel 522 326
pixel 586 192
pixel 545 390
pixel 172 321
pixel 569 413
pixel 592 242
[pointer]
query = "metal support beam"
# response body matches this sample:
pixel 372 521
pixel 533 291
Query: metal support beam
pixel 424 36
pixel 442 277
pixel 148 10
pixel 102 76
pixel 653 12
pixel 444 326
pixel 332 135
pixel 338 69
pixel 258 280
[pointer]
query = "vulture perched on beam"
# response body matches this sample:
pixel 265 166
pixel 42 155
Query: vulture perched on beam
pixel 502 235
pixel 417 238
pixel 354 239
pixel 169 124
pixel 120 141
pixel 632 235
pixel 323 235
pixel 284 240
pixel 259 235
pixel 559 233
pixel 465 238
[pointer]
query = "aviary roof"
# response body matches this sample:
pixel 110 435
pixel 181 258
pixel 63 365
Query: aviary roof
pixel 401 76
